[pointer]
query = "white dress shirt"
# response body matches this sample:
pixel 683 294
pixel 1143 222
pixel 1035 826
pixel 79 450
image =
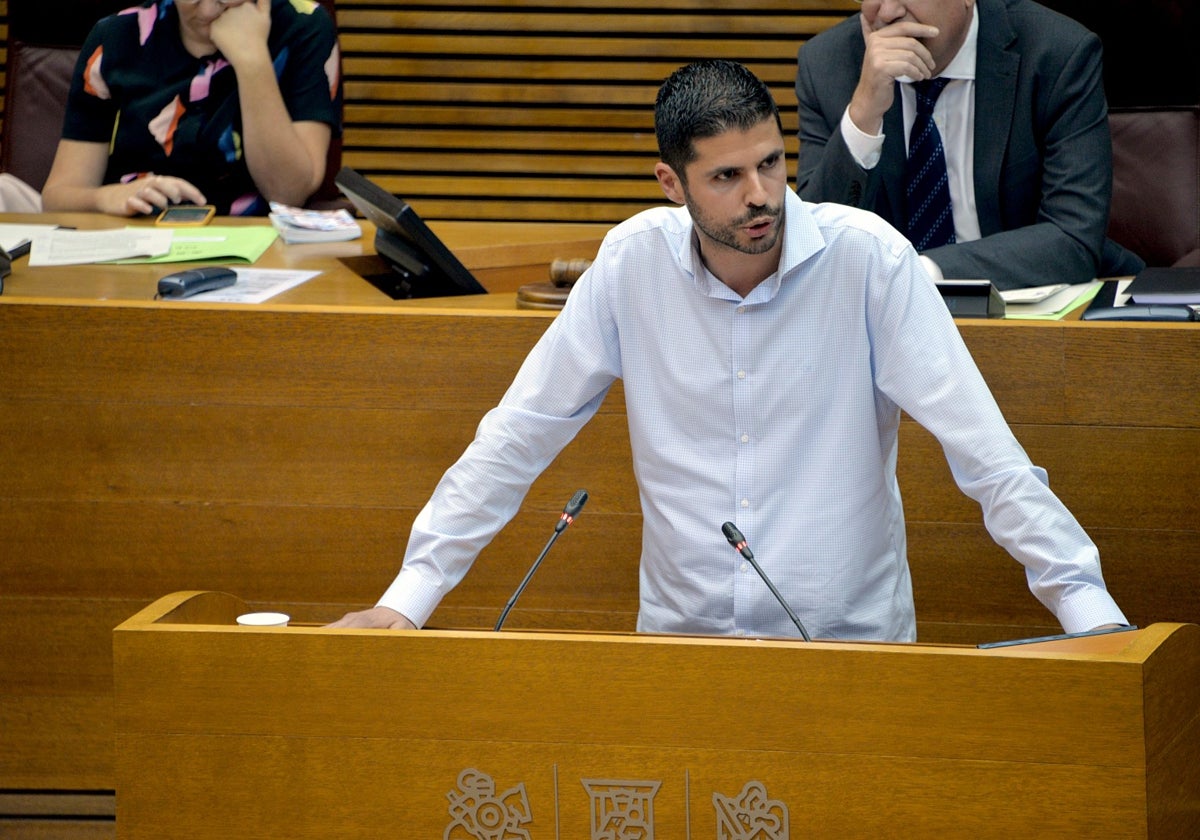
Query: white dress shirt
pixel 778 412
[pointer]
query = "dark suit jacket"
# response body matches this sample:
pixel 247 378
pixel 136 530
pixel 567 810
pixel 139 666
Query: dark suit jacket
pixel 1043 155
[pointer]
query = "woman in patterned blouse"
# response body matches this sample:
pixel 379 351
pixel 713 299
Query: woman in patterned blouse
pixel 224 102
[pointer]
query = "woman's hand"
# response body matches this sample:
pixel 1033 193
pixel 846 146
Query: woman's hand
pixel 240 33
pixel 76 183
pixel 148 194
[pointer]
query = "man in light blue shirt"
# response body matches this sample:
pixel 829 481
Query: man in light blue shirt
pixel 767 347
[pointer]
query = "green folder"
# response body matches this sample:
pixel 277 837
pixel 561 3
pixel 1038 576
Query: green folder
pixel 225 244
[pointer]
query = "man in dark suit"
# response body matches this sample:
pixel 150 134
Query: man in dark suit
pixel 1022 120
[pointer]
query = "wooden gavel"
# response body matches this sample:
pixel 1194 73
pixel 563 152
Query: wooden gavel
pixel 566 272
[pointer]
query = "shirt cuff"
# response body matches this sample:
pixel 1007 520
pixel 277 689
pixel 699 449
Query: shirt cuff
pixel 1088 609
pixel 866 149
pixel 411 596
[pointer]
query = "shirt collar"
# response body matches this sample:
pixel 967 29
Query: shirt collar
pixel 801 239
pixel 962 66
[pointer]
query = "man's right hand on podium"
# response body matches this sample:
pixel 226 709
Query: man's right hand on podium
pixel 379 618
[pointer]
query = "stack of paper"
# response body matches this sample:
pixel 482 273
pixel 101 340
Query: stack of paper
pixel 78 247
pixel 15 238
pixel 254 285
pixel 1047 303
pixel 151 245
pixel 298 225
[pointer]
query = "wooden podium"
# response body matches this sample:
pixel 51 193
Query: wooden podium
pixel 304 732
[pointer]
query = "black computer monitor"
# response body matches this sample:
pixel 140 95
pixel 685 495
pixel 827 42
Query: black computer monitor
pixel 421 266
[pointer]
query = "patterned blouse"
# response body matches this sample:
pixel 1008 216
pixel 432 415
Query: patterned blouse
pixel 162 110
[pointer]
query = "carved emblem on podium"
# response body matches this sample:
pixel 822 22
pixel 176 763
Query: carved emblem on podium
pixel 622 810
pixel 477 812
pixel 750 815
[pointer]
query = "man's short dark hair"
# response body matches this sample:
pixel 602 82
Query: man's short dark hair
pixel 705 99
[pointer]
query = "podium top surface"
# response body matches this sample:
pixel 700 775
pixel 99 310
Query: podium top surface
pixel 216 612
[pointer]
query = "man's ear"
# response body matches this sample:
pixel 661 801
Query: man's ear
pixel 670 183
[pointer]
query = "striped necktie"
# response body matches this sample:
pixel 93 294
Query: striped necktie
pixel 927 189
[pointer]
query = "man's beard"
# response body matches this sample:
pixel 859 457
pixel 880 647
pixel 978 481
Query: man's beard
pixel 732 235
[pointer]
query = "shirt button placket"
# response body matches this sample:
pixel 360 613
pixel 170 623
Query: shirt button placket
pixel 743 428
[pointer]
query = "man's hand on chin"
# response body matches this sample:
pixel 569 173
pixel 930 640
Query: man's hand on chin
pixel 377 618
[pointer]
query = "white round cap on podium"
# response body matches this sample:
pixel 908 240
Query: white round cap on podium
pixel 264 619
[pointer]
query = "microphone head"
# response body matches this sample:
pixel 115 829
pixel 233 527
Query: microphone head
pixel 736 540
pixel 576 503
pixel 732 534
pixel 571 510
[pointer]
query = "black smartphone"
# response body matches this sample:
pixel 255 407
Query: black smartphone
pixel 186 214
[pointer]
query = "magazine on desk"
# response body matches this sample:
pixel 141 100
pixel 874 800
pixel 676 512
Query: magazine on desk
pixel 297 225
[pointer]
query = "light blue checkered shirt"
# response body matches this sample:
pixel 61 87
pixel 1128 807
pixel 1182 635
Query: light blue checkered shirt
pixel 778 412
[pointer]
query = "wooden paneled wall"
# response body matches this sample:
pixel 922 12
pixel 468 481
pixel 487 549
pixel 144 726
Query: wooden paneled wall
pixel 542 110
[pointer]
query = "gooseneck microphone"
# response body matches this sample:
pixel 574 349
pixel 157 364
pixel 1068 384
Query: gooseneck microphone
pixel 566 518
pixel 736 540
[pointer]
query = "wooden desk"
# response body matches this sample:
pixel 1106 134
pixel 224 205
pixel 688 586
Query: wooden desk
pixel 281 451
pixel 502 255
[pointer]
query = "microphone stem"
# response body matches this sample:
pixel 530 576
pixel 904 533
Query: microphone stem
pixel 525 581
pixel 778 597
